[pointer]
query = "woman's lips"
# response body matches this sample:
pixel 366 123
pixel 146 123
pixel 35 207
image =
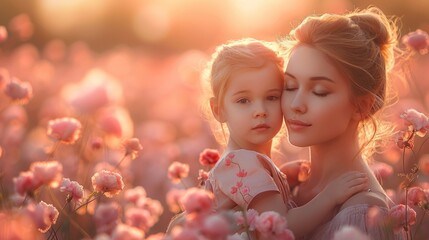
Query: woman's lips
pixel 297 125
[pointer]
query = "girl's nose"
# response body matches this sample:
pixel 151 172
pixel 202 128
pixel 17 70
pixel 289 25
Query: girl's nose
pixel 260 110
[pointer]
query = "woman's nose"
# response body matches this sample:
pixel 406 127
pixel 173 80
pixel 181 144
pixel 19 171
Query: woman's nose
pixel 298 104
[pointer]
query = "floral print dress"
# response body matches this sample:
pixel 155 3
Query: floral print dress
pixel 243 174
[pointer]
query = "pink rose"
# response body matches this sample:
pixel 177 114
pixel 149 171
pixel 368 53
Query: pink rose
pixel 209 157
pixel 18 91
pixel 271 224
pixel 125 232
pixel 416 196
pixel 139 218
pixel 43 215
pixel 66 130
pixel 134 194
pixel 72 188
pixel 381 169
pixel 132 146
pixel 215 226
pixel 424 163
pixel 178 171
pixel 418 121
pixel 172 198
pixel 197 200
pixel 107 217
pixel 417 40
pixel 107 182
pixel 25 183
pixel 47 173
pixel 397 216
pixel 3 34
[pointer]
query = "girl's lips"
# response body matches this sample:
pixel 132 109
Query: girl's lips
pixel 261 127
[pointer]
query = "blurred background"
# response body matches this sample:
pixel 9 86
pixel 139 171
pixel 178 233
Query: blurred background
pixel 137 63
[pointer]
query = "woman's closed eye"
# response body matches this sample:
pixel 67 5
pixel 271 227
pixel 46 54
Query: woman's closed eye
pixel 320 93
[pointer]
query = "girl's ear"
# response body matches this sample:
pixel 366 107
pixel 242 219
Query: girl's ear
pixel 363 108
pixel 216 110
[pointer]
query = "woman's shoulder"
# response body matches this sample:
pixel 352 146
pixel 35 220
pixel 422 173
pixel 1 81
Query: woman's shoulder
pixel 366 198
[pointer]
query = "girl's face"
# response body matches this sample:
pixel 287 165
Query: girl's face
pixel 252 106
pixel 316 101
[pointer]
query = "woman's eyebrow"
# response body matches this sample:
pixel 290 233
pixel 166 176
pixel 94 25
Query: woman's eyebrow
pixel 315 78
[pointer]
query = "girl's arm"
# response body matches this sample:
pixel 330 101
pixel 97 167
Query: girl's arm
pixel 305 219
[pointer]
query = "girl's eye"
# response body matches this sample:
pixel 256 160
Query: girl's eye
pixel 243 100
pixel 273 98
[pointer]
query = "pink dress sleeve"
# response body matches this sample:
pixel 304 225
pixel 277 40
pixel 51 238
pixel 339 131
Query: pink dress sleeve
pixel 358 216
pixel 241 175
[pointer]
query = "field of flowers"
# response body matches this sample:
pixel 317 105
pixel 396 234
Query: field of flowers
pixel 112 145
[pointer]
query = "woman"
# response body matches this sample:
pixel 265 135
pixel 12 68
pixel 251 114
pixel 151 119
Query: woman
pixel 335 89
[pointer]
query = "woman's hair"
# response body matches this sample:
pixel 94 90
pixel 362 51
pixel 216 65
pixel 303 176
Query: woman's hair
pixel 230 58
pixel 361 44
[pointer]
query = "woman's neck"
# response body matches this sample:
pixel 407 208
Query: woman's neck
pixel 329 160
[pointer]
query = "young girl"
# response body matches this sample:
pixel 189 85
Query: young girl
pixel 246 82
pixel 335 87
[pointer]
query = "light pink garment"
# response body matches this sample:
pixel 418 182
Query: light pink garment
pixel 241 175
pixel 358 216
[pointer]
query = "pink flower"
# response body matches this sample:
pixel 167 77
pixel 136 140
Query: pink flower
pixel 25 183
pixel 424 163
pixel 209 157
pixel 153 206
pixel 107 182
pixel 173 199
pixel 115 122
pixel 180 233
pixel 215 226
pixel 197 200
pixel 397 216
pixel 178 171
pixel 47 173
pixel 125 232
pixel 202 175
pixel 43 215
pixel 251 217
pixel 416 120
pixel 245 190
pixel 417 40
pixel 72 188
pixel 21 26
pixel 66 130
pixel 350 233
pixel 139 218
pixel 242 173
pixel 18 91
pixel 134 194
pixel 233 190
pixel 381 169
pixel 3 34
pixel 156 236
pixel 132 147
pixel 228 159
pixel 271 225
pixel 416 196
pixel 107 217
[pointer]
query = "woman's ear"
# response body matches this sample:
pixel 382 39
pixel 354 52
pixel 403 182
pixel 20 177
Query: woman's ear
pixel 364 104
pixel 216 110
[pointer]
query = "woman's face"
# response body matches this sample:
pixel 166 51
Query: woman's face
pixel 316 99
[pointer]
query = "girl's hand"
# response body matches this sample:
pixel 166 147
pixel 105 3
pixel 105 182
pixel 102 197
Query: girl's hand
pixel 345 186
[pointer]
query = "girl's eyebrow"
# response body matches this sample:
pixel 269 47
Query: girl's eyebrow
pixel 315 78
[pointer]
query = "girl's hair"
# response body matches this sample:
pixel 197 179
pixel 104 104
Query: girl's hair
pixel 361 44
pixel 229 58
